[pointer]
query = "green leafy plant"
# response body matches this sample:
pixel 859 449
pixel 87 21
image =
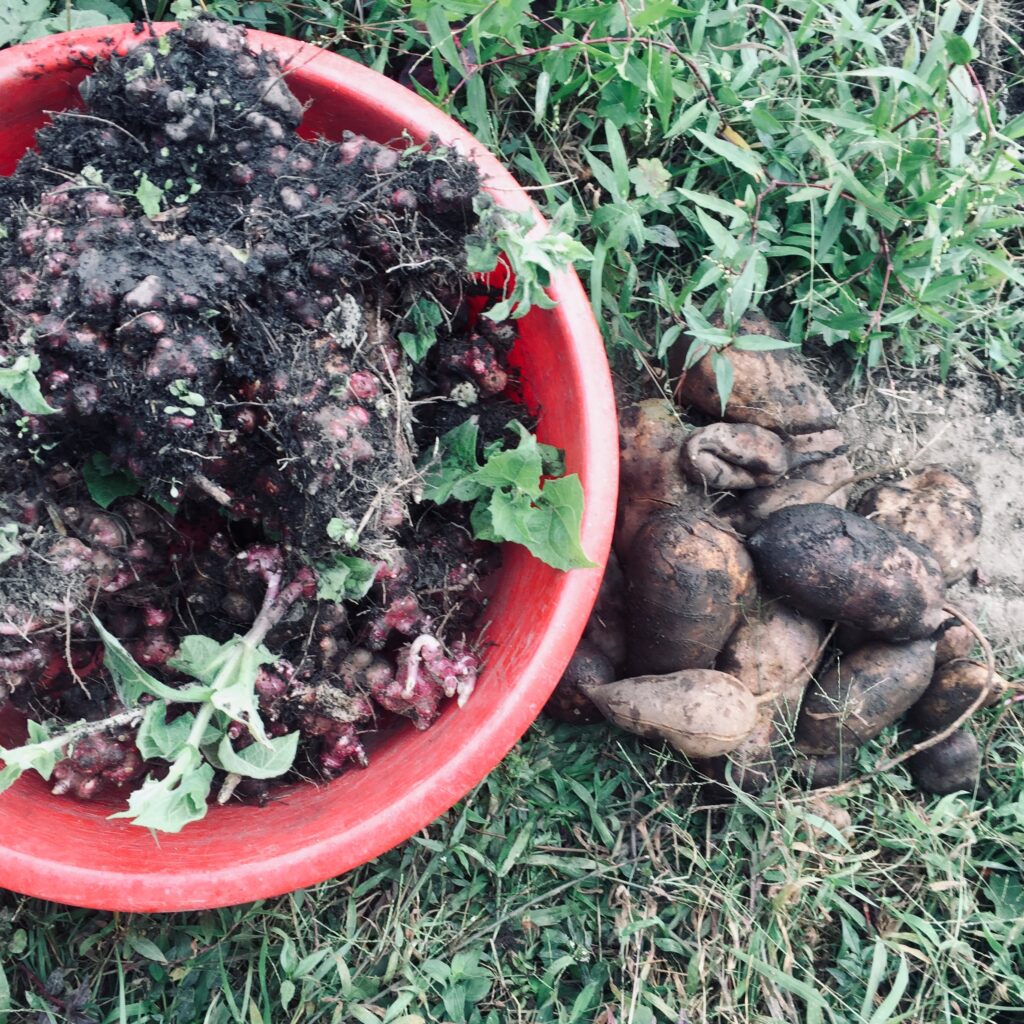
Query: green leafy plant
pixel 510 500
pixel 18 382
pixel 195 742
pixel 23 20
pixel 105 482
pixel 532 254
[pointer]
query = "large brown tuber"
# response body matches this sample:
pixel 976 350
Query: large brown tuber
pixel 606 627
pixel 861 693
pixel 771 389
pixel 952 765
pixel 955 687
pixel 651 434
pixel 938 509
pixel 834 564
pixel 587 667
pixel 687 582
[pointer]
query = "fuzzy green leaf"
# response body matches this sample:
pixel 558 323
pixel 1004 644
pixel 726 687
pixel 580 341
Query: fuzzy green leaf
pixel 229 670
pixel 171 803
pixel 345 578
pixel 132 681
pixel 448 476
pixel 10 546
pixel 650 178
pixel 959 50
pixel 159 738
pixel 106 483
pixel 257 761
pixel 18 382
pixel 149 196
pixel 423 318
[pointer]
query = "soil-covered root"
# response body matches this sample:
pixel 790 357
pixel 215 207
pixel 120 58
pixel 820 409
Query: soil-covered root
pixel 687 582
pixel 702 713
pixel 955 641
pixel 817 463
pixel 861 693
pixel 651 434
pixel 955 687
pixel 771 389
pixel 836 565
pixel 952 765
pixel 569 703
pixel 774 650
pixel 733 457
pixel 936 507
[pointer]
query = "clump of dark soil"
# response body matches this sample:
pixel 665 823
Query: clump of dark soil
pixel 211 317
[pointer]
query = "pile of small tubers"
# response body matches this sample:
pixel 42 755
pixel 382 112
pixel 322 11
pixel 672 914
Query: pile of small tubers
pixel 751 619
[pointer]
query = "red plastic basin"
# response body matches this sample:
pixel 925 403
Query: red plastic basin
pixel 65 850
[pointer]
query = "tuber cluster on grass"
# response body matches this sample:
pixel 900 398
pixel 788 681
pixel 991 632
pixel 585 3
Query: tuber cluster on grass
pixel 757 623
pixel 258 431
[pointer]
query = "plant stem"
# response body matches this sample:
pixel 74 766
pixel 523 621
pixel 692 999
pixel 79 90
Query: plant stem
pixel 83 729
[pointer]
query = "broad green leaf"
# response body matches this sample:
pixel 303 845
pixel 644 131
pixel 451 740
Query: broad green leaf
pixel 105 483
pixel 741 294
pixel 457 461
pixel 10 546
pixel 159 738
pixel 257 761
pixel 17 16
pixel 229 670
pixel 18 382
pixel 650 177
pixel 959 50
pixel 131 680
pixel 521 467
pixel 761 343
pixel 145 947
pixel 423 318
pixel 171 803
pixel 149 196
pixel 722 366
pixel 617 155
pixel 345 578
pixel 555 525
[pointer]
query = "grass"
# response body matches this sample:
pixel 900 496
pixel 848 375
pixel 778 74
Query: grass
pixel 585 880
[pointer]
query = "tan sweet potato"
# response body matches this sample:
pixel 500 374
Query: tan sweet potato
pixel 833 564
pixel 955 686
pixel 938 509
pixel 587 667
pixel 686 582
pixel 606 627
pixel 651 434
pixel 733 457
pixel 700 712
pixel 861 693
pixel 772 389
pixel 950 766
